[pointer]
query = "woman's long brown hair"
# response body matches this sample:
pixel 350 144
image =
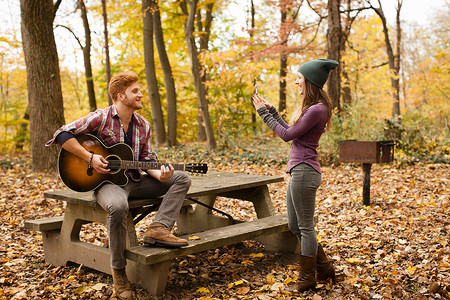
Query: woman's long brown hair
pixel 313 95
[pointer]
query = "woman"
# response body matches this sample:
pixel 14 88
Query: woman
pixel 305 129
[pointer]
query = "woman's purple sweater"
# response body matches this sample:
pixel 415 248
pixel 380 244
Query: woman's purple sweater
pixel 304 134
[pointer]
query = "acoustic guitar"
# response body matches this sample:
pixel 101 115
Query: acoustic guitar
pixel 79 176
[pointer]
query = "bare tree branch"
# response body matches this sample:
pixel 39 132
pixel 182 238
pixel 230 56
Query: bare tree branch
pixel 73 33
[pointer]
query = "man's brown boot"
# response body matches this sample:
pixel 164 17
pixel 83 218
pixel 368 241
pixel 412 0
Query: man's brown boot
pixel 122 287
pixel 324 267
pixel 307 274
pixel 159 235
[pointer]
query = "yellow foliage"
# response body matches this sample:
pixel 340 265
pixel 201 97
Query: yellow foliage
pixel 411 270
pixel 236 283
pixel 353 260
pixel 257 255
pixel 203 290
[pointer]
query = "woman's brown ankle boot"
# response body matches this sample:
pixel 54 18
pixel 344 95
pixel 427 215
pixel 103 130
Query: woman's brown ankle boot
pixel 307 274
pixel 324 266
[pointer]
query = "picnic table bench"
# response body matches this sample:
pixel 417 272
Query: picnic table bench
pixel 150 265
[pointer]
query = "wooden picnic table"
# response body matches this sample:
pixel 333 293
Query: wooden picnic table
pixel 148 265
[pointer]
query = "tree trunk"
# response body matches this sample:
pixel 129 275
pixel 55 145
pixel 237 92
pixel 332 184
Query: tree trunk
pixel 346 90
pixel 107 59
pixel 196 72
pixel 283 73
pixel 334 34
pixel 289 12
pixel 252 33
pixel 87 57
pixel 43 79
pixel 345 85
pixel 201 130
pixel 22 131
pixel 397 59
pixel 283 63
pixel 150 71
pixel 394 60
pixel 205 29
pixel 168 77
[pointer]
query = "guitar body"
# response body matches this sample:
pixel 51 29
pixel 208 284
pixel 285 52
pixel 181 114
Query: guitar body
pixel 76 174
pixel 74 171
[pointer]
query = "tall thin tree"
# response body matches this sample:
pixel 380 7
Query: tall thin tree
pixel 88 75
pixel 252 33
pixel 334 36
pixel 289 12
pixel 196 69
pixel 348 21
pixel 168 76
pixel 150 72
pixel 107 59
pixel 87 56
pixel 203 26
pixel 393 58
pixel 283 59
pixel 349 14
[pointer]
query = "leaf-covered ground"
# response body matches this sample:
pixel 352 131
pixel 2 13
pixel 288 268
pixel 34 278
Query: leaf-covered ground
pixel 396 249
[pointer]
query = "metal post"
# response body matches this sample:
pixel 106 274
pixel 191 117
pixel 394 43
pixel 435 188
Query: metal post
pixel 366 184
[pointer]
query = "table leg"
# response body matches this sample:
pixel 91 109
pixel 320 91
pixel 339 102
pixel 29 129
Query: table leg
pixel 66 246
pixel 200 218
pixel 259 196
pixel 262 202
pixel 152 277
pixel 51 241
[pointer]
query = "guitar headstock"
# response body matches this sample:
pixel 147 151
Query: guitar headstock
pixel 196 168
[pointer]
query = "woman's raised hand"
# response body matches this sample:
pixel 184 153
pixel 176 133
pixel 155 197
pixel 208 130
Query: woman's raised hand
pixel 259 101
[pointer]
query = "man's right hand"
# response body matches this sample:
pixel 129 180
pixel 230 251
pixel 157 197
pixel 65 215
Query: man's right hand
pixel 100 164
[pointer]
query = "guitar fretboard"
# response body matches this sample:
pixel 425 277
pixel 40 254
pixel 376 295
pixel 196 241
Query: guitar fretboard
pixel 143 165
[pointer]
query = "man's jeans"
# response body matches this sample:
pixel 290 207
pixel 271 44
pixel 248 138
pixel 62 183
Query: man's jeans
pixel 301 202
pixel 114 200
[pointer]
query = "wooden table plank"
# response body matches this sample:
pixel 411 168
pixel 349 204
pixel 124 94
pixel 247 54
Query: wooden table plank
pixel 220 182
pixel 211 239
pixel 84 198
pixel 213 183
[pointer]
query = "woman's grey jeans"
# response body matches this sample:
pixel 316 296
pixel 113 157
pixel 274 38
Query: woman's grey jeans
pixel 114 200
pixel 301 202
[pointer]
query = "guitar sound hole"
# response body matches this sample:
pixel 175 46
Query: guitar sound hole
pixel 113 163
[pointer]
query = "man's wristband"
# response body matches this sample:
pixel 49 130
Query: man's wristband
pixel 90 161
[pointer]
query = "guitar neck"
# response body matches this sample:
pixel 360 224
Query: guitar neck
pixel 143 165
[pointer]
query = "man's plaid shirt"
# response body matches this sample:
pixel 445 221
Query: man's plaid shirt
pixel 107 125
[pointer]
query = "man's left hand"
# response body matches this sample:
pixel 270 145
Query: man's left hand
pixel 166 172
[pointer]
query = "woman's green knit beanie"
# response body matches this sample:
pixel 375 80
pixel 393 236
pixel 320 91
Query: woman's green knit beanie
pixel 316 71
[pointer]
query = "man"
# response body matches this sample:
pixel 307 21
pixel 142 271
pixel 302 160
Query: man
pixel 120 123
